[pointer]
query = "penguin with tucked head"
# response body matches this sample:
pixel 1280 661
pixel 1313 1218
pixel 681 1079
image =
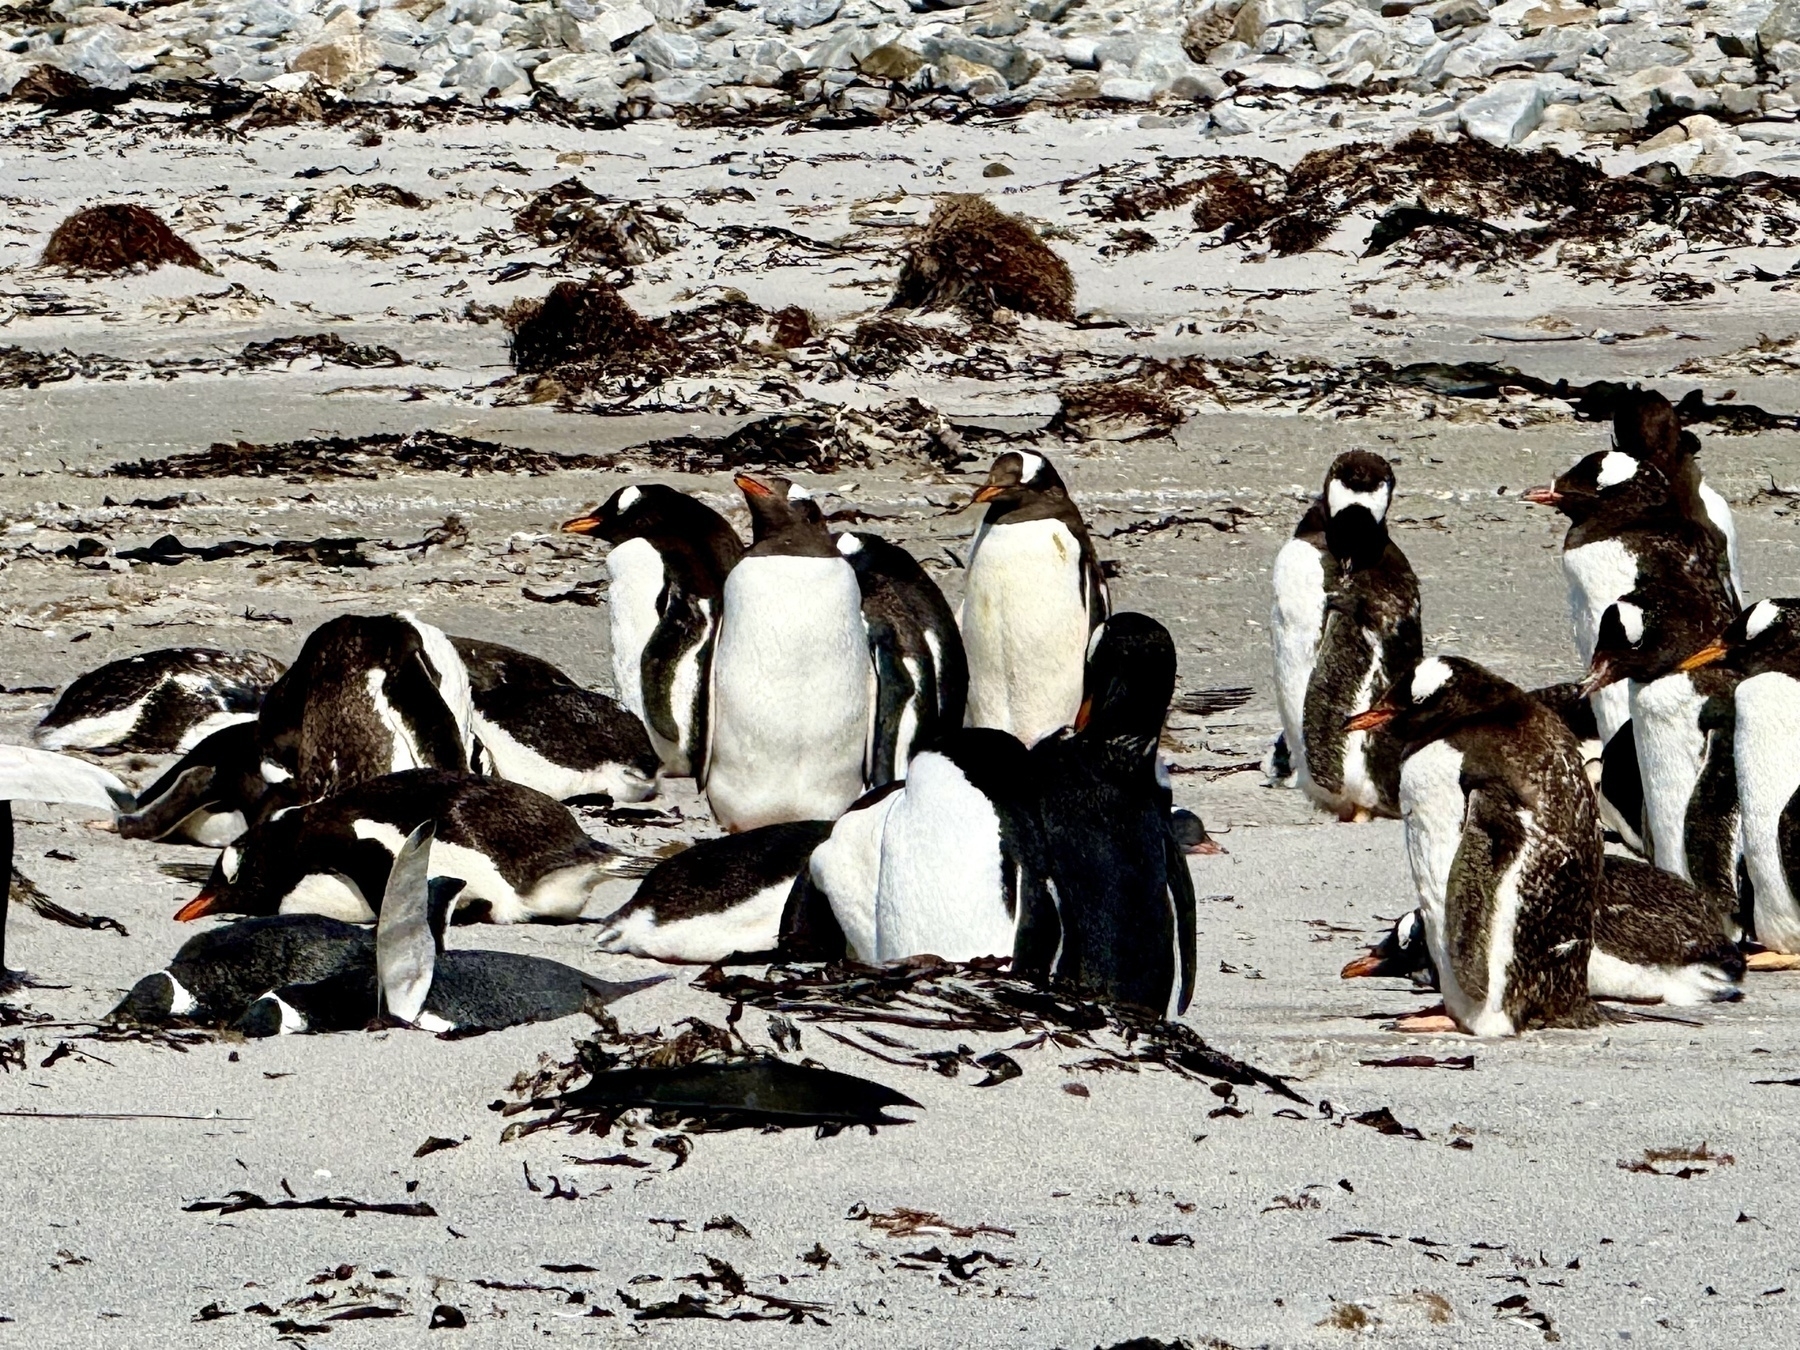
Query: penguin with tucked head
pixel 1367 633
pixel 1504 844
pixel 921 672
pixel 1117 914
pixel 1033 593
pixel 793 688
pixel 668 563
pixel 830 912
pixel 158 703
pixel 209 796
pixel 537 727
pixel 1760 652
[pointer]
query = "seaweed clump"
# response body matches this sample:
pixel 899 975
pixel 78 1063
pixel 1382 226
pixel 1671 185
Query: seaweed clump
pixel 583 332
pixel 974 258
pixel 118 237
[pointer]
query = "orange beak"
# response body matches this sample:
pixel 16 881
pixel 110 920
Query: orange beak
pixel 753 486
pixel 582 524
pixel 199 907
pixel 1542 496
pixel 987 492
pixel 1208 848
pixel 1378 716
pixel 1706 656
pixel 1369 963
pixel 1083 713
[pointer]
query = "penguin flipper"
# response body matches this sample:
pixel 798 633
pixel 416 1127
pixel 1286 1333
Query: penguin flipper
pixel 1038 927
pixel 157 817
pixel 1187 918
pixel 405 949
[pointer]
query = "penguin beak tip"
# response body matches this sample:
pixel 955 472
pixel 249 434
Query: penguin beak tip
pixel 1378 716
pixel 1369 963
pixel 199 907
pixel 1541 496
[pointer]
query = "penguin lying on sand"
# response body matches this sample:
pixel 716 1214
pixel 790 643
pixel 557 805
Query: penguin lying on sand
pixel 539 728
pixel 670 556
pixel 1033 593
pixel 158 703
pixel 793 687
pixel 717 898
pixel 1504 842
pixel 520 855
pixel 290 973
pixel 1656 939
pixel 208 796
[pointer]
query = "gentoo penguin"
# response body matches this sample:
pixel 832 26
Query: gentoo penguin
pixel 793 688
pixel 1647 427
pixel 290 973
pixel 521 855
pixel 1656 939
pixel 669 560
pixel 208 796
pixel 1368 635
pixel 1681 725
pixel 158 703
pixel 921 673
pixel 1504 843
pixel 1344 531
pixel 368 695
pixel 538 727
pixel 831 910
pixel 41 776
pixel 1115 916
pixel 1761 650
pixel 1612 766
pixel 717 898
pixel 1033 593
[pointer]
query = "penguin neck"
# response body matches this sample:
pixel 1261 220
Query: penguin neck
pixel 1356 538
pixel 803 539
pixel 1039 504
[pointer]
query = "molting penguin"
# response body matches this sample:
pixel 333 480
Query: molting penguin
pixel 793 689
pixel 717 898
pixel 1115 916
pixel 1648 428
pixel 521 855
pixel 1504 843
pixel 1033 594
pixel 158 703
pixel 1368 635
pixel 206 797
pixel 1612 766
pixel 921 672
pixel 368 695
pixel 1761 650
pixel 40 776
pixel 670 556
pixel 538 727
pixel 291 973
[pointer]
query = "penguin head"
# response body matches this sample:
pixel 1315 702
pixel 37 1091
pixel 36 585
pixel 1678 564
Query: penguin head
pixel 1644 636
pixel 1401 951
pixel 1435 697
pixel 1017 478
pixel 634 512
pixel 1359 488
pixel 784 518
pixel 1609 480
pixel 1646 427
pixel 1129 681
pixel 1764 638
pixel 253 874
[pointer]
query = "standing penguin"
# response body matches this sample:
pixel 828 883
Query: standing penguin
pixel 1033 594
pixel 793 689
pixel 670 556
pixel 1369 634
pixel 1342 534
pixel 1117 914
pixel 1761 649
pixel 1504 842
pixel 921 673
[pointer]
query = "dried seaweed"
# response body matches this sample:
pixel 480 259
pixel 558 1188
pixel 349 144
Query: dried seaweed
pixel 237 1202
pixel 368 457
pixel 21 368
pixel 326 347
pixel 974 258
pixel 571 214
pixel 823 439
pixel 584 331
pixel 118 237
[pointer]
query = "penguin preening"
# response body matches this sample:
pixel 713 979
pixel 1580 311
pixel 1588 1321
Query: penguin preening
pixel 537 727
pixel 1504 844
pixel 830 912
pixel 716 898
pixel 43 776
pixel 291 973
pixel 1367 632
pixel 1116 913
pixel 668 563
pixel 368 695
pixel 1760 651
pixel 1033 593
pixel 158 703
pixel 921 671
pixel 793 686
pixel 521 855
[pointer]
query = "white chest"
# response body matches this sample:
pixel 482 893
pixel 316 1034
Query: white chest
pixel 1432 806
pixel 1294 626
pixel 636 572
pixel 1665 720
pixel 1025 628
pixel 1767 749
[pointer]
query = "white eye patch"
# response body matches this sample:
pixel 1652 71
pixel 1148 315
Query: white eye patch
pixel 848 544
pixel 629 498
pixel 1431 675
pixel 1631 619
pixel 1030 466
pixel 1616 468
pixel 1339 496
pixel 796 493
pixel 1764 614
pixel 228 863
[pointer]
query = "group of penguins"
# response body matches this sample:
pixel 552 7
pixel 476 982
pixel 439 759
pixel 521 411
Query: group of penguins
pixel 892 779
pixel 1680 743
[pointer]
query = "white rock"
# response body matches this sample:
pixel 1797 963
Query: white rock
pixel 608 28
pixel 1505 114
pixel 792 14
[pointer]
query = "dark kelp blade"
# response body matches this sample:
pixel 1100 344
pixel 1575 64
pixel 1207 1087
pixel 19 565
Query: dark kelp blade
pixel 765 1090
